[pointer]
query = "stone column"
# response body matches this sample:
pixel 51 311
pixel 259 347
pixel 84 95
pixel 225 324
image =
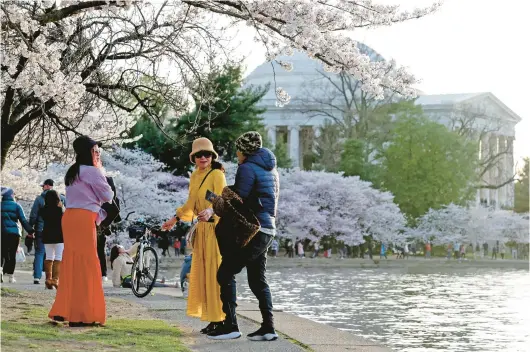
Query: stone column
pixel 271 133
pixel 510 188
pixel 294 145
pixel 503 172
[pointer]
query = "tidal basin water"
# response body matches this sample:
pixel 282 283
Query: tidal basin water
pixel 414 309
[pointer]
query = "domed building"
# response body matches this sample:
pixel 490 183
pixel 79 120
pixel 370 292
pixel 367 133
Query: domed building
pixel 317 96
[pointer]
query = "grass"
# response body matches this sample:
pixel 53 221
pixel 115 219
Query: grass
pixel 26 327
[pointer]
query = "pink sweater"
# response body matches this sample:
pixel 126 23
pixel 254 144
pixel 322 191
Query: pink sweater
pixel 89 191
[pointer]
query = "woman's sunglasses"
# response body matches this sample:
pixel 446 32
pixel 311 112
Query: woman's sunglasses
pixel 202 153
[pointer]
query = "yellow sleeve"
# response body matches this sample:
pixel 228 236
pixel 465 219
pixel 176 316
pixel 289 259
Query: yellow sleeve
pixel 185 212
pixel 219 182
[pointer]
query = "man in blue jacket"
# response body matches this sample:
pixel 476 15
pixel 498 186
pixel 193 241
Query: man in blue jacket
pixel 36 221
pixel 257 183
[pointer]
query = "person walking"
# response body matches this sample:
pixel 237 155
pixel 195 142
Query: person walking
pixel 316 247
pixel 204 294
pixel 12 214
pixel 494 252
pixel 428 249
pixel 80 299
pixel 36 221
pixel 52 237
pixel 383 252
pixel 502 250
pixel 176 246
pixel 257 183
pixel 406 251
pixel 274 247
pixel 300 247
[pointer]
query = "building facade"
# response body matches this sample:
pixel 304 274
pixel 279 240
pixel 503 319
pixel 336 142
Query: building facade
pixel 318 96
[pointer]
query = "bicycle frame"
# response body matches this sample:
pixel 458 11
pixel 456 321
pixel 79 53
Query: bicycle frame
pixel 143 243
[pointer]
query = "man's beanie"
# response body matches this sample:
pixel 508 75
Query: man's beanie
pixel 249 142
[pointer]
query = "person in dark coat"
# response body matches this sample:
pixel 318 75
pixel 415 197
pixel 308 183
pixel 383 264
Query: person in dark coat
pixel 257 183
pixel 36 220
pixel 12 213
pixel 103 232
pixel 52 237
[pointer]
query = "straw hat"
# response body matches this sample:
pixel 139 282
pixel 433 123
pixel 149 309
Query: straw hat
pixel 202 144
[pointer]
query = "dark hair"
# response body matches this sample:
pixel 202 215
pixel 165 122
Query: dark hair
pixel 83 158
pixel 114 253
pixel 217 166
pixel 52 199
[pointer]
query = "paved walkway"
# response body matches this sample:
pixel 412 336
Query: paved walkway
pixel 296 334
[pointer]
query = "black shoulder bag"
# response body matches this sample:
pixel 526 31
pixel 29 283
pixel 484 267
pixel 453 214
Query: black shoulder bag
pixel 112 208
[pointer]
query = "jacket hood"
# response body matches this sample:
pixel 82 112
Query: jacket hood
pixel 263 158
pixel 43 194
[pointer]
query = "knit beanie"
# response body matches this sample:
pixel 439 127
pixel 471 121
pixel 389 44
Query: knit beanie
pixel 249 142
pixel 7 192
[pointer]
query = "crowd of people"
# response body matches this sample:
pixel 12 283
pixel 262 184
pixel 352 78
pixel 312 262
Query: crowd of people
pixel 69 234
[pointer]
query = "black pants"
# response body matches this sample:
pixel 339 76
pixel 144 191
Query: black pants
pixel 9 251
pixel 102 241
pixel 254 258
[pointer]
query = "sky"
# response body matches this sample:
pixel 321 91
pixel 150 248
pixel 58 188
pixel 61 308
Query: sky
pixel 467 46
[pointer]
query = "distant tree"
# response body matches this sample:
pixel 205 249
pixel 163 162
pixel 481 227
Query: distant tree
pixel 522 189
pixel 427 166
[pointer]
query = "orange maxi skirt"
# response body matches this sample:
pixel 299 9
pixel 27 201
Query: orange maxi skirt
pixel 80 296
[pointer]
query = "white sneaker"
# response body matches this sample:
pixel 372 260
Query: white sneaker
pixel 105 279
pixel 12 279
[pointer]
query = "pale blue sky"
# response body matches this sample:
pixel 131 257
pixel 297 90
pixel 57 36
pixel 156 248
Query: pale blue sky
pixel 467 46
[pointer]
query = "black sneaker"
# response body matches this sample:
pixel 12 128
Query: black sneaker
pixel 36 281
pixel 265 333
pixel 210 327
pixel 225 332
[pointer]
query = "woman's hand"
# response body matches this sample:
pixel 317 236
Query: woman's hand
pixel 168 225
pixel 206 214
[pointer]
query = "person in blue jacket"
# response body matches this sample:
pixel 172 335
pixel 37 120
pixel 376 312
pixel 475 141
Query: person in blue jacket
pixel 12 213
pixel 257 183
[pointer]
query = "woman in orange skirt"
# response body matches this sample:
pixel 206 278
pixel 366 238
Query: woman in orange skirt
pixel 80 299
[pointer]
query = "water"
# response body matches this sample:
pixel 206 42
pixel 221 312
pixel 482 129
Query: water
pixel 411 309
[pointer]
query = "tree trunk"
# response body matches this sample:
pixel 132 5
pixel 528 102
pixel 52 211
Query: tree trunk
pixel 7 140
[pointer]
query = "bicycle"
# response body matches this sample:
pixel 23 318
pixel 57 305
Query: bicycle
pixel 145 266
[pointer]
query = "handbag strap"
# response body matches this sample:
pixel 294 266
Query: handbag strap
pixel 204 179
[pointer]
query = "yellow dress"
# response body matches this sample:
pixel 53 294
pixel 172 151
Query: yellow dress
pixel 204 293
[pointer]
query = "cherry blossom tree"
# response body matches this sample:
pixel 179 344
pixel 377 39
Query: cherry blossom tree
pixel 71 67
pixel 319 203
pixel 455 223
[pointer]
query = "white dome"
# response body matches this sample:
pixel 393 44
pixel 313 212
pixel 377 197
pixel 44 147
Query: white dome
pixel 295 82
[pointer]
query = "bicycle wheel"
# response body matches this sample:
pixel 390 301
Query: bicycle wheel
pixel 143 280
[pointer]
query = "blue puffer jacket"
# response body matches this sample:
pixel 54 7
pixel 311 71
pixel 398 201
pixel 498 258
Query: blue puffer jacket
pixel 258 183
pixel 12 213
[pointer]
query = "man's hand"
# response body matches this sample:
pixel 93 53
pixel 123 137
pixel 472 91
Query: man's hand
pixel 206 214
pixel 168 225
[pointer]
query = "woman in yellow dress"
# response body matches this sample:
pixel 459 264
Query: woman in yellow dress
pixel 204 293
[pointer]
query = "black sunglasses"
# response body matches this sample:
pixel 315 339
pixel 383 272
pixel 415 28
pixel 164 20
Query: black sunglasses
pixel 202 153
